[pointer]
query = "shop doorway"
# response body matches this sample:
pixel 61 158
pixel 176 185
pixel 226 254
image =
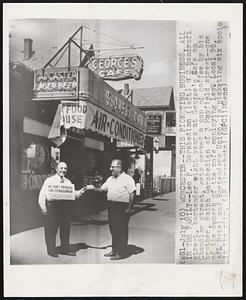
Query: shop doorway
pixel 162 172
pixel 72 153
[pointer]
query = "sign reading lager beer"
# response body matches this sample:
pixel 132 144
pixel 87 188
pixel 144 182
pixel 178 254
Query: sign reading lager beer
pixel 56 83
pixel 117 67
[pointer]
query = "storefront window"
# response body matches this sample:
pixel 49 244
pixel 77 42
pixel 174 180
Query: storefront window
pixel 35 156
pixel 170 142
pixel 55 158
pixel 170 119
pixel 93 167
pixel 35 163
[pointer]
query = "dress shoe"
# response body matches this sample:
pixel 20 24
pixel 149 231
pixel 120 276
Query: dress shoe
pixel 117 257
pixel 110 254
pixel 53 254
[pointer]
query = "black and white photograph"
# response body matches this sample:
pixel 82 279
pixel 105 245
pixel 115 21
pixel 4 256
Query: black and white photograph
pixel 120 126
pixel 102 106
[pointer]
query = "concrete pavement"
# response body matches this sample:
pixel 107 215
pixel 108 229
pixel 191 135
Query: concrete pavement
pixel 151 237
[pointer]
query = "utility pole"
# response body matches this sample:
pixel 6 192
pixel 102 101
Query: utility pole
pixel 69 53
pixel 81 36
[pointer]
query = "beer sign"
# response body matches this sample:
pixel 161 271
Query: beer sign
pixel 117 67
pixel 56 83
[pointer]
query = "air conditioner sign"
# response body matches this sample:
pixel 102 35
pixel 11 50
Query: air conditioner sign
pixel 117 68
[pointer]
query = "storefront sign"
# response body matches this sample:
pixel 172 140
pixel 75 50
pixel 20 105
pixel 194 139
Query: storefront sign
pixel 82 83
pixel 102 94
pixel 61 192
pixel 123 107
pixel 154 123
pixel 73 115
pixel 117 68
pixel 111 126
pixel 56 83
pixel 85 115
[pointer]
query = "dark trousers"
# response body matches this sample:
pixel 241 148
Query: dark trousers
pixel 118 225
pixel 58 216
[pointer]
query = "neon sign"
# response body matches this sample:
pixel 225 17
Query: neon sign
pixel 117 68
pixel 56 83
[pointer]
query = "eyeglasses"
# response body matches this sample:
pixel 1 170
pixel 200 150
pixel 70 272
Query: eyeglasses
pixel 114 167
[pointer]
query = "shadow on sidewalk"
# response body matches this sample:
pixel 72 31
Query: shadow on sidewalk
pixel 90 221
pixel 142 206
pixel 78 246
pixel 137 207
pixel 131 249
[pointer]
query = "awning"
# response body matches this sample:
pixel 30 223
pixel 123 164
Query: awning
pixel 35 127
pixel 85 115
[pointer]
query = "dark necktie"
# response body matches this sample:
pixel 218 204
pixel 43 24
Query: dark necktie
pixel 62 180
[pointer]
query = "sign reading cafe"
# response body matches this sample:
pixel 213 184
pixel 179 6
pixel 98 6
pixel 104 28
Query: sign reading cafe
pixel 117 67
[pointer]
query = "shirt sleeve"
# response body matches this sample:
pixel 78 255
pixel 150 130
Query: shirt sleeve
pixel 105 185
pixel 42 196
pixel 131 187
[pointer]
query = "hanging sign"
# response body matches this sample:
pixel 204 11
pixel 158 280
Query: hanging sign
pixel 117 67
pixel 56 83
pixel 154 124
pixel 73 114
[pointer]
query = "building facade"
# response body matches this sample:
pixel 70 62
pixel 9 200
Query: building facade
pixel 159 107
pixel 64 114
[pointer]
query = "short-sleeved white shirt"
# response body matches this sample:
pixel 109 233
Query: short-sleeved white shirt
pixel 119 188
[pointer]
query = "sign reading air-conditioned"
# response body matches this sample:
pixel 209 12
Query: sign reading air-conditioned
pixel 117 67
pixel 56 83
pixel 154 123
pixel 85 115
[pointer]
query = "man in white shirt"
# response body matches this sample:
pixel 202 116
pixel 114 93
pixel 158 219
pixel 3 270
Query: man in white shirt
pixel 57 213
pixel 120 189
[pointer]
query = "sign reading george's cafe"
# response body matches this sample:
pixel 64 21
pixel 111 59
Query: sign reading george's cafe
pixel 117 67
pixel 88 102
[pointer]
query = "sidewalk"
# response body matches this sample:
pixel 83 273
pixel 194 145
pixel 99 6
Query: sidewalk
pixel 151 237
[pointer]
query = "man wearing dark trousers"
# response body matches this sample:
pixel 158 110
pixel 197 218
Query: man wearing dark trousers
pixel 120 189
pixel 57 213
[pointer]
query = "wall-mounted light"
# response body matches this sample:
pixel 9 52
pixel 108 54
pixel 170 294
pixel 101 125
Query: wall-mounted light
pixel 156 144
